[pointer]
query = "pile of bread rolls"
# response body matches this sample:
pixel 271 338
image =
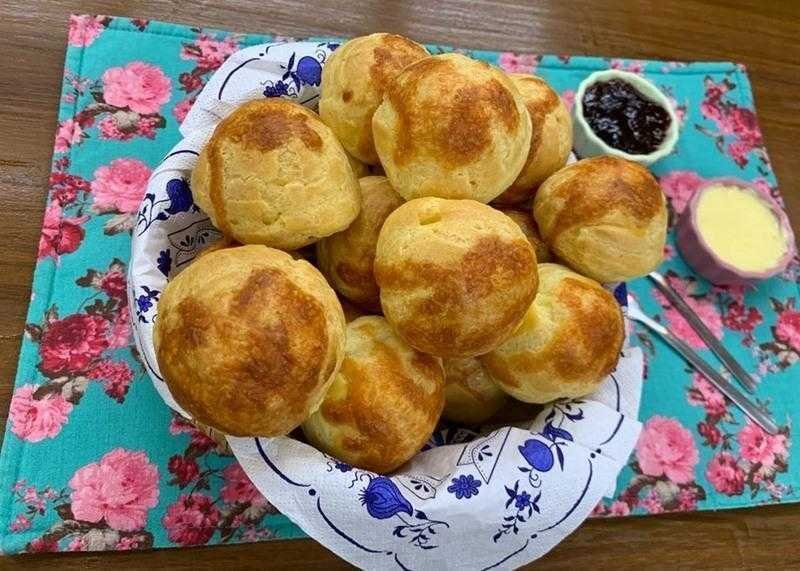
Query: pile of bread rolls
pixel 468 273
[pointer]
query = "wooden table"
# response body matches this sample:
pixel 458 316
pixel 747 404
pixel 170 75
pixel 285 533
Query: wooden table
pixel 763 35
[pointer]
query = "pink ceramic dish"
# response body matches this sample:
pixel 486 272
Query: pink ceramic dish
pixel 701 257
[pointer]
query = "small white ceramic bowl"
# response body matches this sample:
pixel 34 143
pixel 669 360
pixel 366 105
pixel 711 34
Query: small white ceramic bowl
pixel 586 142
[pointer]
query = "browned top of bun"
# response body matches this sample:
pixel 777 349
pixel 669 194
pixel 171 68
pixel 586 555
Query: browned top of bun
pixel 455 276
pixel 390 55
pixel 268 123
pixel 590 188
pixel 581 341
pixel 247 339
pixel 456 128
pixel 384 403
pixel 567 343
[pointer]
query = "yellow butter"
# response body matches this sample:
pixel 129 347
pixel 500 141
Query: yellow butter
pixel 740 228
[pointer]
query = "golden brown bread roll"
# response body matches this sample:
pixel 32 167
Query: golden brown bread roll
pixel 359 168
pixel 456 276
pixel 384 403
pixel 346 257
pixel 353 83
pixel 568 342
pixel 452 127
pixel 249 340
pixel 272 173
pixel 605 217
pixel 528 226
pixel 551 137
pixel 470 394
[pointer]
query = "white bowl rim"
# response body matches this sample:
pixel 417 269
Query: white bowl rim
pixel 649 90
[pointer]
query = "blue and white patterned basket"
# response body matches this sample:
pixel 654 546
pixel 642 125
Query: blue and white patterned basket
pixel 469 500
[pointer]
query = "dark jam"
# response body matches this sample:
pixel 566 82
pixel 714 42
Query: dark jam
pixel 623 118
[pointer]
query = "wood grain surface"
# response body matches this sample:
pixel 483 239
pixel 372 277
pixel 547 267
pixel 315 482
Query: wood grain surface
pixel 763 35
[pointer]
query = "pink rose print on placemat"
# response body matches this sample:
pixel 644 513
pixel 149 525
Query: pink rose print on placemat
pixel 672 65
pixel 184 470
pixel 616 509
pixel 68 133
pixel 680 108
pixel 519 63
pixel 208 54
pixel 62 229
pixel 758 447
pixel 200 443
pixel 704 394
pixel 181 109
pixel 120 333
pixel 739 317
pixel 239 510
pixel 138 86
pixel 785 345
pixel 113 283
pixel 703 306
pixel 41 545
pixel 74 87
pixel 679 187
pixel 34 419
pixel 126 543
pixel 60 234
pixel 104 508
pixel 20 523
pixel 125 102
pixel 76 350
pixel 119 489
pixel 84 30
pixel 761 456
pixel 633 66
pixel 118 188
pixel 239 489
pixel 116 377
pixel 78 544
pixel 664 472
pixel 725 475
pixel 737 132
pixel 788 328
pixel 70 345
pixel 665 448
pixel 34 502
pixel 191 520
pixel 66 188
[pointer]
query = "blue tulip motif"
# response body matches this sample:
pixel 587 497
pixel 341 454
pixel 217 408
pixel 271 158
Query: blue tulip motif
pixel 180 196
pixel 541 455
pixel 537 454
pixel 383 499
pixel 305 71
pixel 309 70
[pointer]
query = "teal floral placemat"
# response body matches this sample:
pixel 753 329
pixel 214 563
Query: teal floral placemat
pixel 93 460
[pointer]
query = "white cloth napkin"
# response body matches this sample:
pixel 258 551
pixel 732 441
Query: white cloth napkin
pixel 469 501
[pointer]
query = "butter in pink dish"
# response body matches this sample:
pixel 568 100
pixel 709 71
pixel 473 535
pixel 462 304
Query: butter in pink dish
pixel 731 233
